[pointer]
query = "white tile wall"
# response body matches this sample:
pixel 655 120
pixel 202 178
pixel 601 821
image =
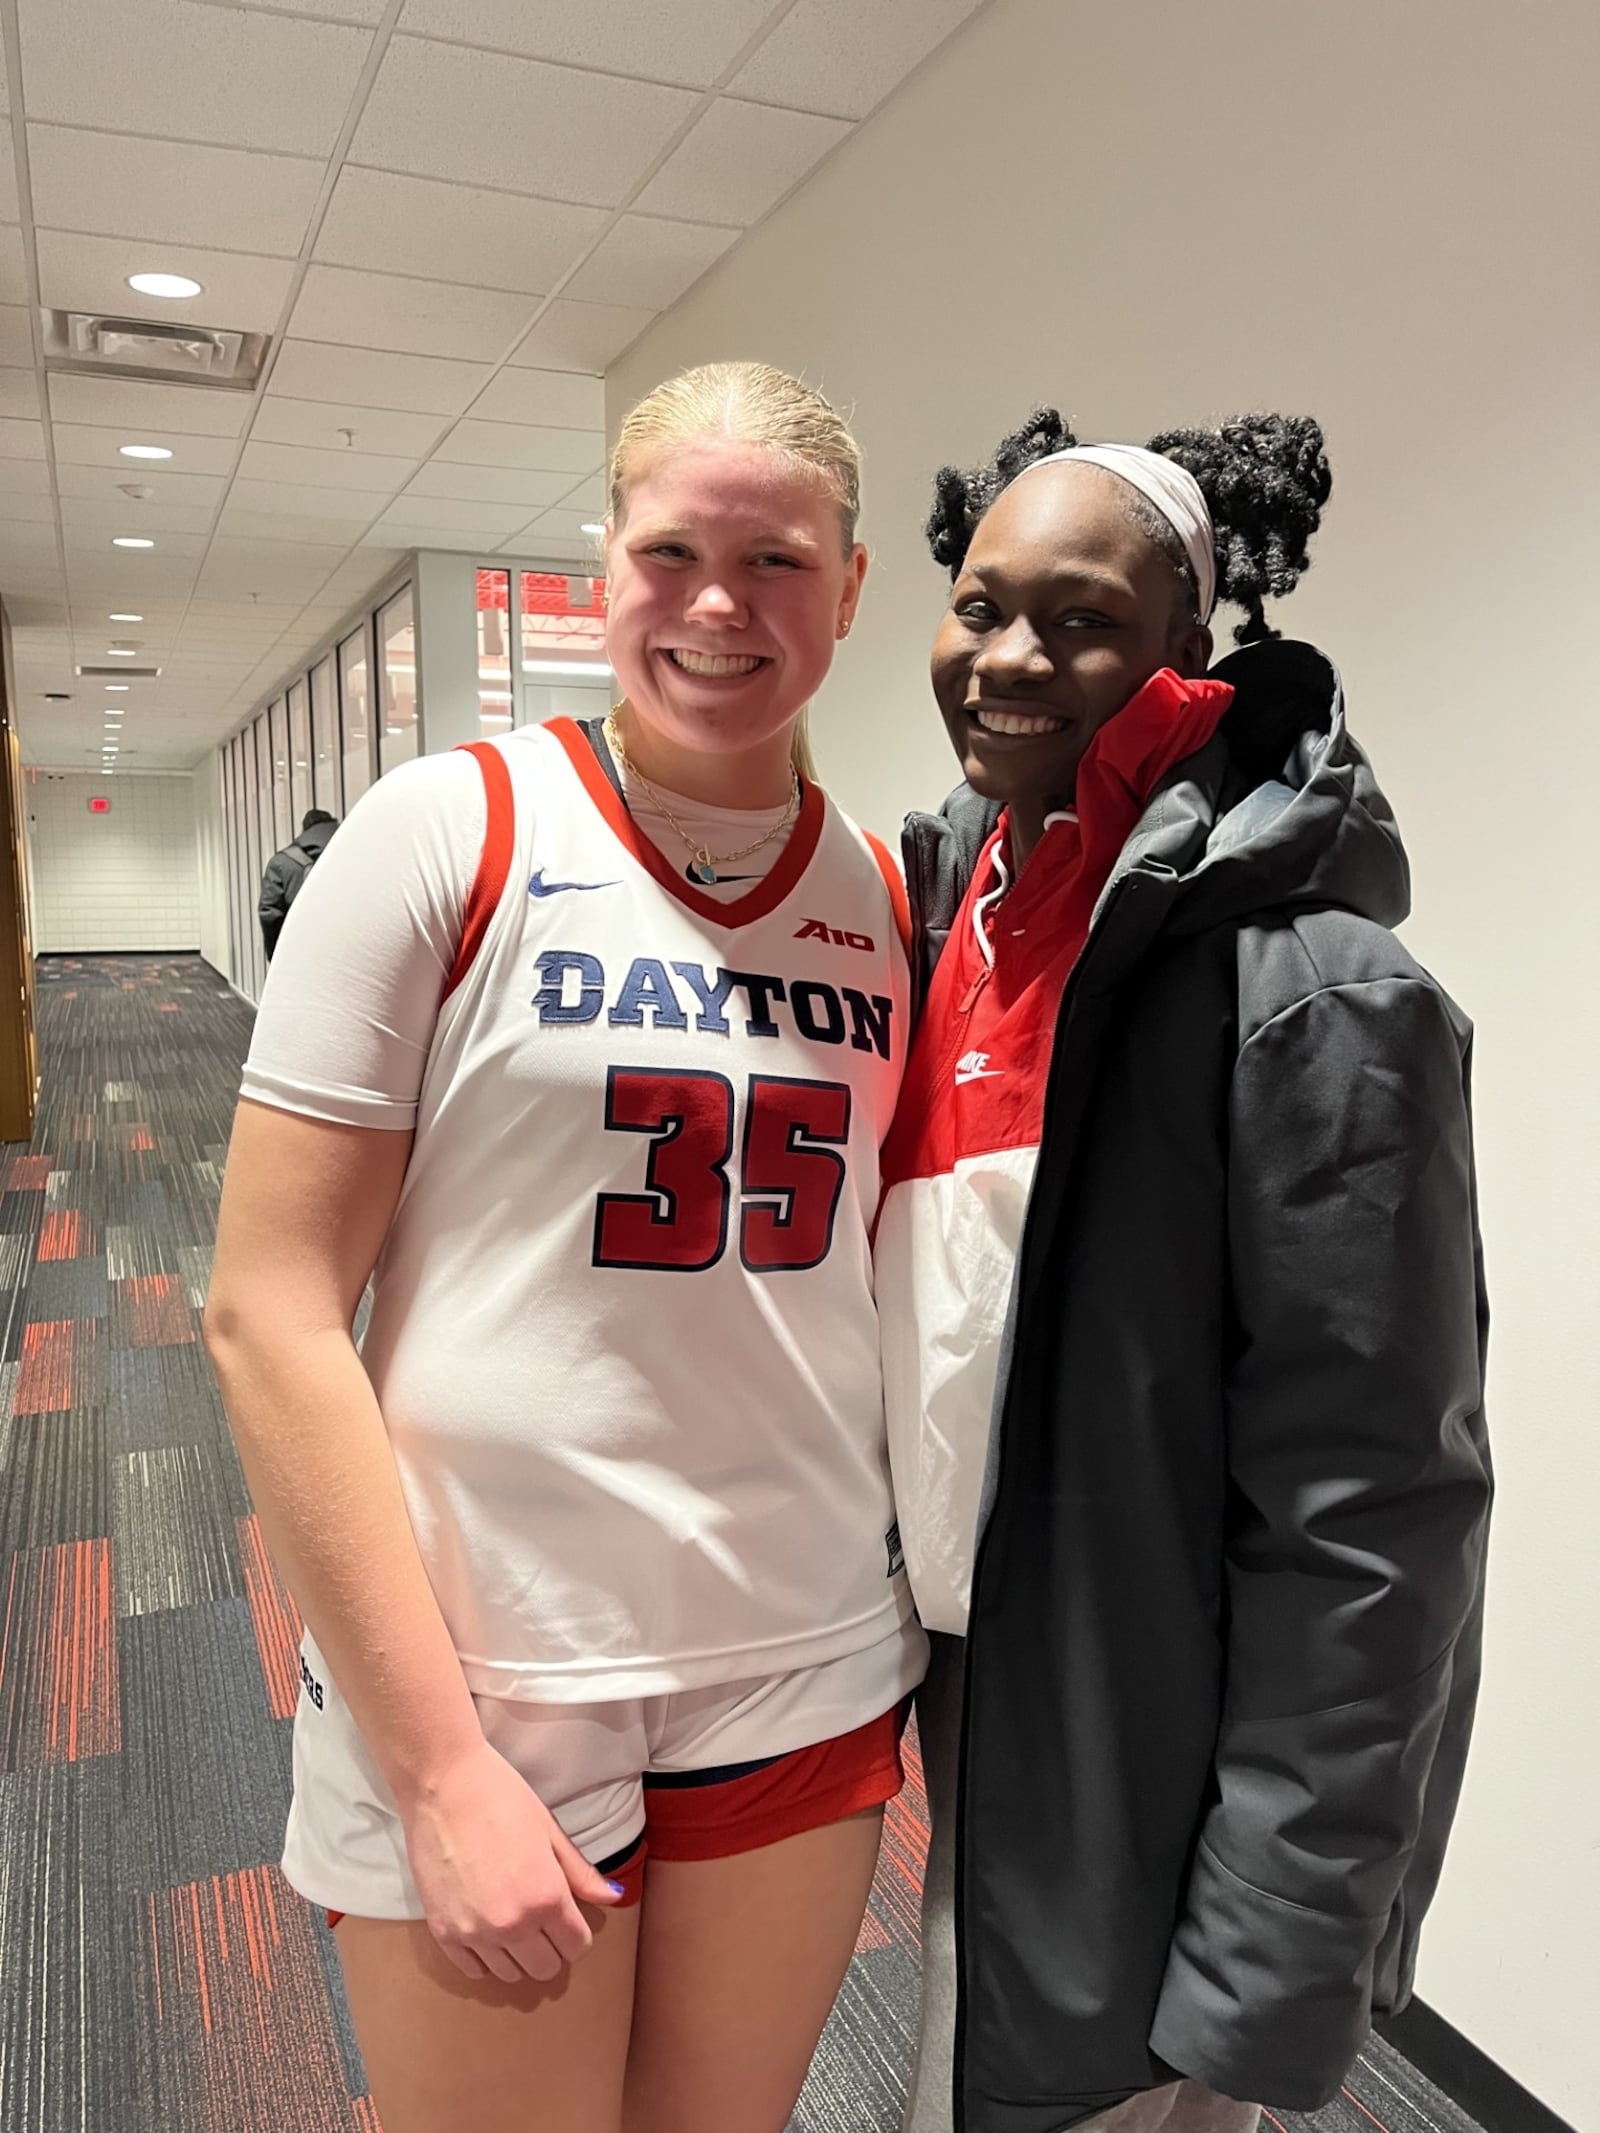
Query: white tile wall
pixel 124 880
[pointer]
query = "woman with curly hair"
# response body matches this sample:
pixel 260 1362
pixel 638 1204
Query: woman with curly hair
pixel 1183 1312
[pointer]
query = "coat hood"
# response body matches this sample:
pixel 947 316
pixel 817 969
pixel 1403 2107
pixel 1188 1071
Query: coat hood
pixel 315 839
pixel 1282 810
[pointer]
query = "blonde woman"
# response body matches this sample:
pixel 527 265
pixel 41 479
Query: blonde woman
pixel 582 1047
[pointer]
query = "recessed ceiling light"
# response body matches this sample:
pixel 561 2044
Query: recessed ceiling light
pixel 144 451
pixel 175 286
pixel 597 528
pixel 124 618
pixel 120 651
pixel 131 540
pixel 114 687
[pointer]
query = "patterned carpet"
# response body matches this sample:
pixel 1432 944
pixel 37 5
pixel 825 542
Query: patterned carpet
pixel 156 1973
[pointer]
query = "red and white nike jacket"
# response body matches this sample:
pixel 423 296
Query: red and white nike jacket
pixel 959 1161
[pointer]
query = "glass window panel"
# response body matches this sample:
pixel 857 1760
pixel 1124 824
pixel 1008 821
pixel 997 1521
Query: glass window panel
pixel 494 653
pixel 253 864
pixel 355 709
pixel 234 815
pixel 283 826
pixel 563 626
pixel 397 735
pixel 299 752
pixel 324 738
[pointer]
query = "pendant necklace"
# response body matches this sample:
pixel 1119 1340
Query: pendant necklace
pixel 703 862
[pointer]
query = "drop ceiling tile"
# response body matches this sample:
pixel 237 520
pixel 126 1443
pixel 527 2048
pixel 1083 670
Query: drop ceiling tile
pixel 643 261
pixel 170 192
pixel 582 337
pixel 589 497
pixel 434 318
pixel 246 525
pixel 490 522
pixel 101 485
pixel 454 233
pixel 739 162
pixel 303 500
pixel 238 290
pixel 243 78
pixel 24 477
pixel 370 472
pixel 436 111
pixel 368 12
pixel 16 335
pixel 401 537
pixel 115 516
pixel 688 45
pixel 566 526
pixel 319 423
pixel 21 439
pixel 840 57
pixel 29 510
pixel 561 399
pixel 87 445
pixel 135 408
pixel 507 444
pixel 485 485
pixel 13 266
pixel 19 393
pixel 9 209
pixel 422 385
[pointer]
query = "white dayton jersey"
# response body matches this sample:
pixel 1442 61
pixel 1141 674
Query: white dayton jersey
pixel 623 1332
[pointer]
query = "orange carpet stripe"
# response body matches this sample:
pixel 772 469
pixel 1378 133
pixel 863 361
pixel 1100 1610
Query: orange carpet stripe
pixel 1361 2107
pixel 275 1619
pixel 59 1684
pixel 152 1311
pixel 44 1382
pixel 62 1235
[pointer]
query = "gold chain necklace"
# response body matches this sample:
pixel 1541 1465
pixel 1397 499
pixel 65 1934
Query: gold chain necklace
pixel 703 862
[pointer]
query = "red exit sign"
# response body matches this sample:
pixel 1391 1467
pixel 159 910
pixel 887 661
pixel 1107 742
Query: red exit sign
pixel 99 806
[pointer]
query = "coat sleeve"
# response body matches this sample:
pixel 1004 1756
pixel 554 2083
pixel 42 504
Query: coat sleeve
pixel 274 905
pixel 1359 1492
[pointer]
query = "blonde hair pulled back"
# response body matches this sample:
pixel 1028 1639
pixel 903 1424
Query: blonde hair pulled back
pixel 751 403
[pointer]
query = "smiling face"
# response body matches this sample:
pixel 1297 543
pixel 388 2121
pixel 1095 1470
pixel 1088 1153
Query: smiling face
pixel 1063 610
pixel 729 586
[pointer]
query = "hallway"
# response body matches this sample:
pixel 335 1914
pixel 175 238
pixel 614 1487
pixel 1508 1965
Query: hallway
pixel 158 1975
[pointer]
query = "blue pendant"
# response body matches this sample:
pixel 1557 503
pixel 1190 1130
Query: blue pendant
pixel 703 870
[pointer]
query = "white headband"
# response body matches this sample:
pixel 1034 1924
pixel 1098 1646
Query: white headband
pixel 1174 492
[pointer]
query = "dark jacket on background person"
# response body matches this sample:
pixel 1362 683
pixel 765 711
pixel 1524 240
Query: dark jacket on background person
pixel 1223 1647
pixel 286 870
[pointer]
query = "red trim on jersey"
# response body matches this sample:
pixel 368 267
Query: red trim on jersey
pixel 761 901
pixel 494 861
pixel 899 903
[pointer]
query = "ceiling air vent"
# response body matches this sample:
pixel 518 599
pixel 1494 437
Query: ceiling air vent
pixel 120 672
pixel 89 342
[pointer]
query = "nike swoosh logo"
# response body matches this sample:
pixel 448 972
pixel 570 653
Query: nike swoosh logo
pixel 538 886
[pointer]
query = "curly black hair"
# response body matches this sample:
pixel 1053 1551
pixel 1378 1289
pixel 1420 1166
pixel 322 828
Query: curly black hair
pixel 1264 477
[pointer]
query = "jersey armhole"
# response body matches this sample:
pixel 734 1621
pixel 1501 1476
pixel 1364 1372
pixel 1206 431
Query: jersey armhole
pixel 494 860
pixel 898 901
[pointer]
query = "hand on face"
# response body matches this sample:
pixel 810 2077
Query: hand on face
pixel 1063 610
pixel 729 587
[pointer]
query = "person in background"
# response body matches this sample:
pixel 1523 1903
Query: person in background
pixel 284 874
pixel 1183 1315
pixel 590 1053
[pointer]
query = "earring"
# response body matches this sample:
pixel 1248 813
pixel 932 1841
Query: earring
pixel 844 629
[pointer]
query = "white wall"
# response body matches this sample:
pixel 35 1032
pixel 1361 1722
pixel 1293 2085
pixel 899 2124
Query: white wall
pixel 1154 213
pixel 123 880
pixel 211 865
